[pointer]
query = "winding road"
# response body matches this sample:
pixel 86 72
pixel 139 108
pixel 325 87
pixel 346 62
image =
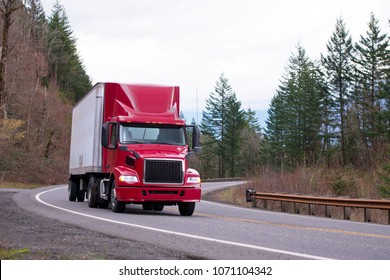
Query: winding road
pixel 219 231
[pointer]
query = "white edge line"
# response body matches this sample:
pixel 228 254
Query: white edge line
pixel 37 197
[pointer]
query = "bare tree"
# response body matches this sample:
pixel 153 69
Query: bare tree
pixel 7 8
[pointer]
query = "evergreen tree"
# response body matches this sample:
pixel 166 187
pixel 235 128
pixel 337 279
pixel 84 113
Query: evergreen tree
pixel 222 123
pixel 372 52
pixel 252 121
pixel 294 117
pixel 39 22
pixel 235 123
pixel 276 128
pixel 208 158
pixel 252 144
pixel 214 120
pixel 385 95
pixel 339 70
pixel 327 132
pixel 66 69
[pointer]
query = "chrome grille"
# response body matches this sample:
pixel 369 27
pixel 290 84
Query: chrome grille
pixel 159 171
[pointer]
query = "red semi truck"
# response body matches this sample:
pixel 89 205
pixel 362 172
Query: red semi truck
pixel 129 145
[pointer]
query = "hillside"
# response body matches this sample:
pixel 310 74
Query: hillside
pixel 41 77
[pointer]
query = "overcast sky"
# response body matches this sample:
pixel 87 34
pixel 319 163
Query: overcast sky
pixel 189 43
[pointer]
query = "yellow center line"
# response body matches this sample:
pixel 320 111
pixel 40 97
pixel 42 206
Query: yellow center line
pixel 295 227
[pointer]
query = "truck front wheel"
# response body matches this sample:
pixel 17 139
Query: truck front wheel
pixel 186 208
pixel 116 206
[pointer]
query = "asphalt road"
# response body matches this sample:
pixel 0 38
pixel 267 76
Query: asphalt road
pixel 219 231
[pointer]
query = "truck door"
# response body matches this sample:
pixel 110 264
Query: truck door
pixel 110 143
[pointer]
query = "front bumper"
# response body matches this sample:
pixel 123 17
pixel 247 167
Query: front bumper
pixel 158 194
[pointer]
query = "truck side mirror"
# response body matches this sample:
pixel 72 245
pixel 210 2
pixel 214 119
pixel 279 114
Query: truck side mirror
pixel 105 135
pixel 196 140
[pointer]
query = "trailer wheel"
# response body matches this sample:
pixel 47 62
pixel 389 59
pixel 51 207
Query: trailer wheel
pixel 92 193
pixel 186 208
pixel 80 195
pixel 72 190
pixel 116 206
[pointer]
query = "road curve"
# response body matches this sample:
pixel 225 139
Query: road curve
pixel 219 231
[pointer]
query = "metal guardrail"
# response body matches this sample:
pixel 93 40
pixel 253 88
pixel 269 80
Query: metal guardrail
pixel 346 203
pixel 234 179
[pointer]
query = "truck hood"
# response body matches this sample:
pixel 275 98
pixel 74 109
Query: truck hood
pixel 159 151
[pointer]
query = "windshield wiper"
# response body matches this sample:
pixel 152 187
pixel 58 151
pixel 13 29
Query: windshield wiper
pixel 166 143
pixel 134 142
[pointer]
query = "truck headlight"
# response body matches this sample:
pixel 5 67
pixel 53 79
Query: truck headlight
pixel 193 180
pixel 128 179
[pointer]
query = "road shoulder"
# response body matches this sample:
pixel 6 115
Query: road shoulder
pixel 32 236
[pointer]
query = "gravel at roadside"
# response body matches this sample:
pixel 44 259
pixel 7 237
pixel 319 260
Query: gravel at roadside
pixel 37 237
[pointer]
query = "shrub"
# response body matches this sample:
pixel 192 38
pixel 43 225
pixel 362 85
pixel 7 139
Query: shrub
pixel 384 187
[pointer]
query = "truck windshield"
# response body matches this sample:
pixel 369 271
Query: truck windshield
pixel 152 134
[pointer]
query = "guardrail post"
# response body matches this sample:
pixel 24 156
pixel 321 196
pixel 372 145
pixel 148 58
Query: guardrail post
pixel 347 213
pixel 328 211
pixel 367 215
pixel 282 209
pixel 311 209
pixel 249 195
pixel 388 216
pixel 296 208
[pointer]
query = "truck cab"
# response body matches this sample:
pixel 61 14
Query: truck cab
pixel 143 151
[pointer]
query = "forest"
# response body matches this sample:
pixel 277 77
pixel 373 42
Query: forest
pixel 41 77
pixel 328 126
pixel 327 132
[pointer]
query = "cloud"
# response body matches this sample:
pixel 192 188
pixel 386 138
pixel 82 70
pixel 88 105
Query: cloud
pixel 190 43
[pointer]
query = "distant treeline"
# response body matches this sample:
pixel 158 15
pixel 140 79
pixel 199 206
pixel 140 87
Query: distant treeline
pixel 332 112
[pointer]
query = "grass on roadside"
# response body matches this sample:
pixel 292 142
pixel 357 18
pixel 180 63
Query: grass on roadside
pixel 27 254
pixel 14 185
pixel 13 254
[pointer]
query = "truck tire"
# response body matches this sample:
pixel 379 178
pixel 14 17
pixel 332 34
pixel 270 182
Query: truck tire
pixel 80 195
pixel 116 206
pixel 186 208
pixel 92 193
pixel 72 190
